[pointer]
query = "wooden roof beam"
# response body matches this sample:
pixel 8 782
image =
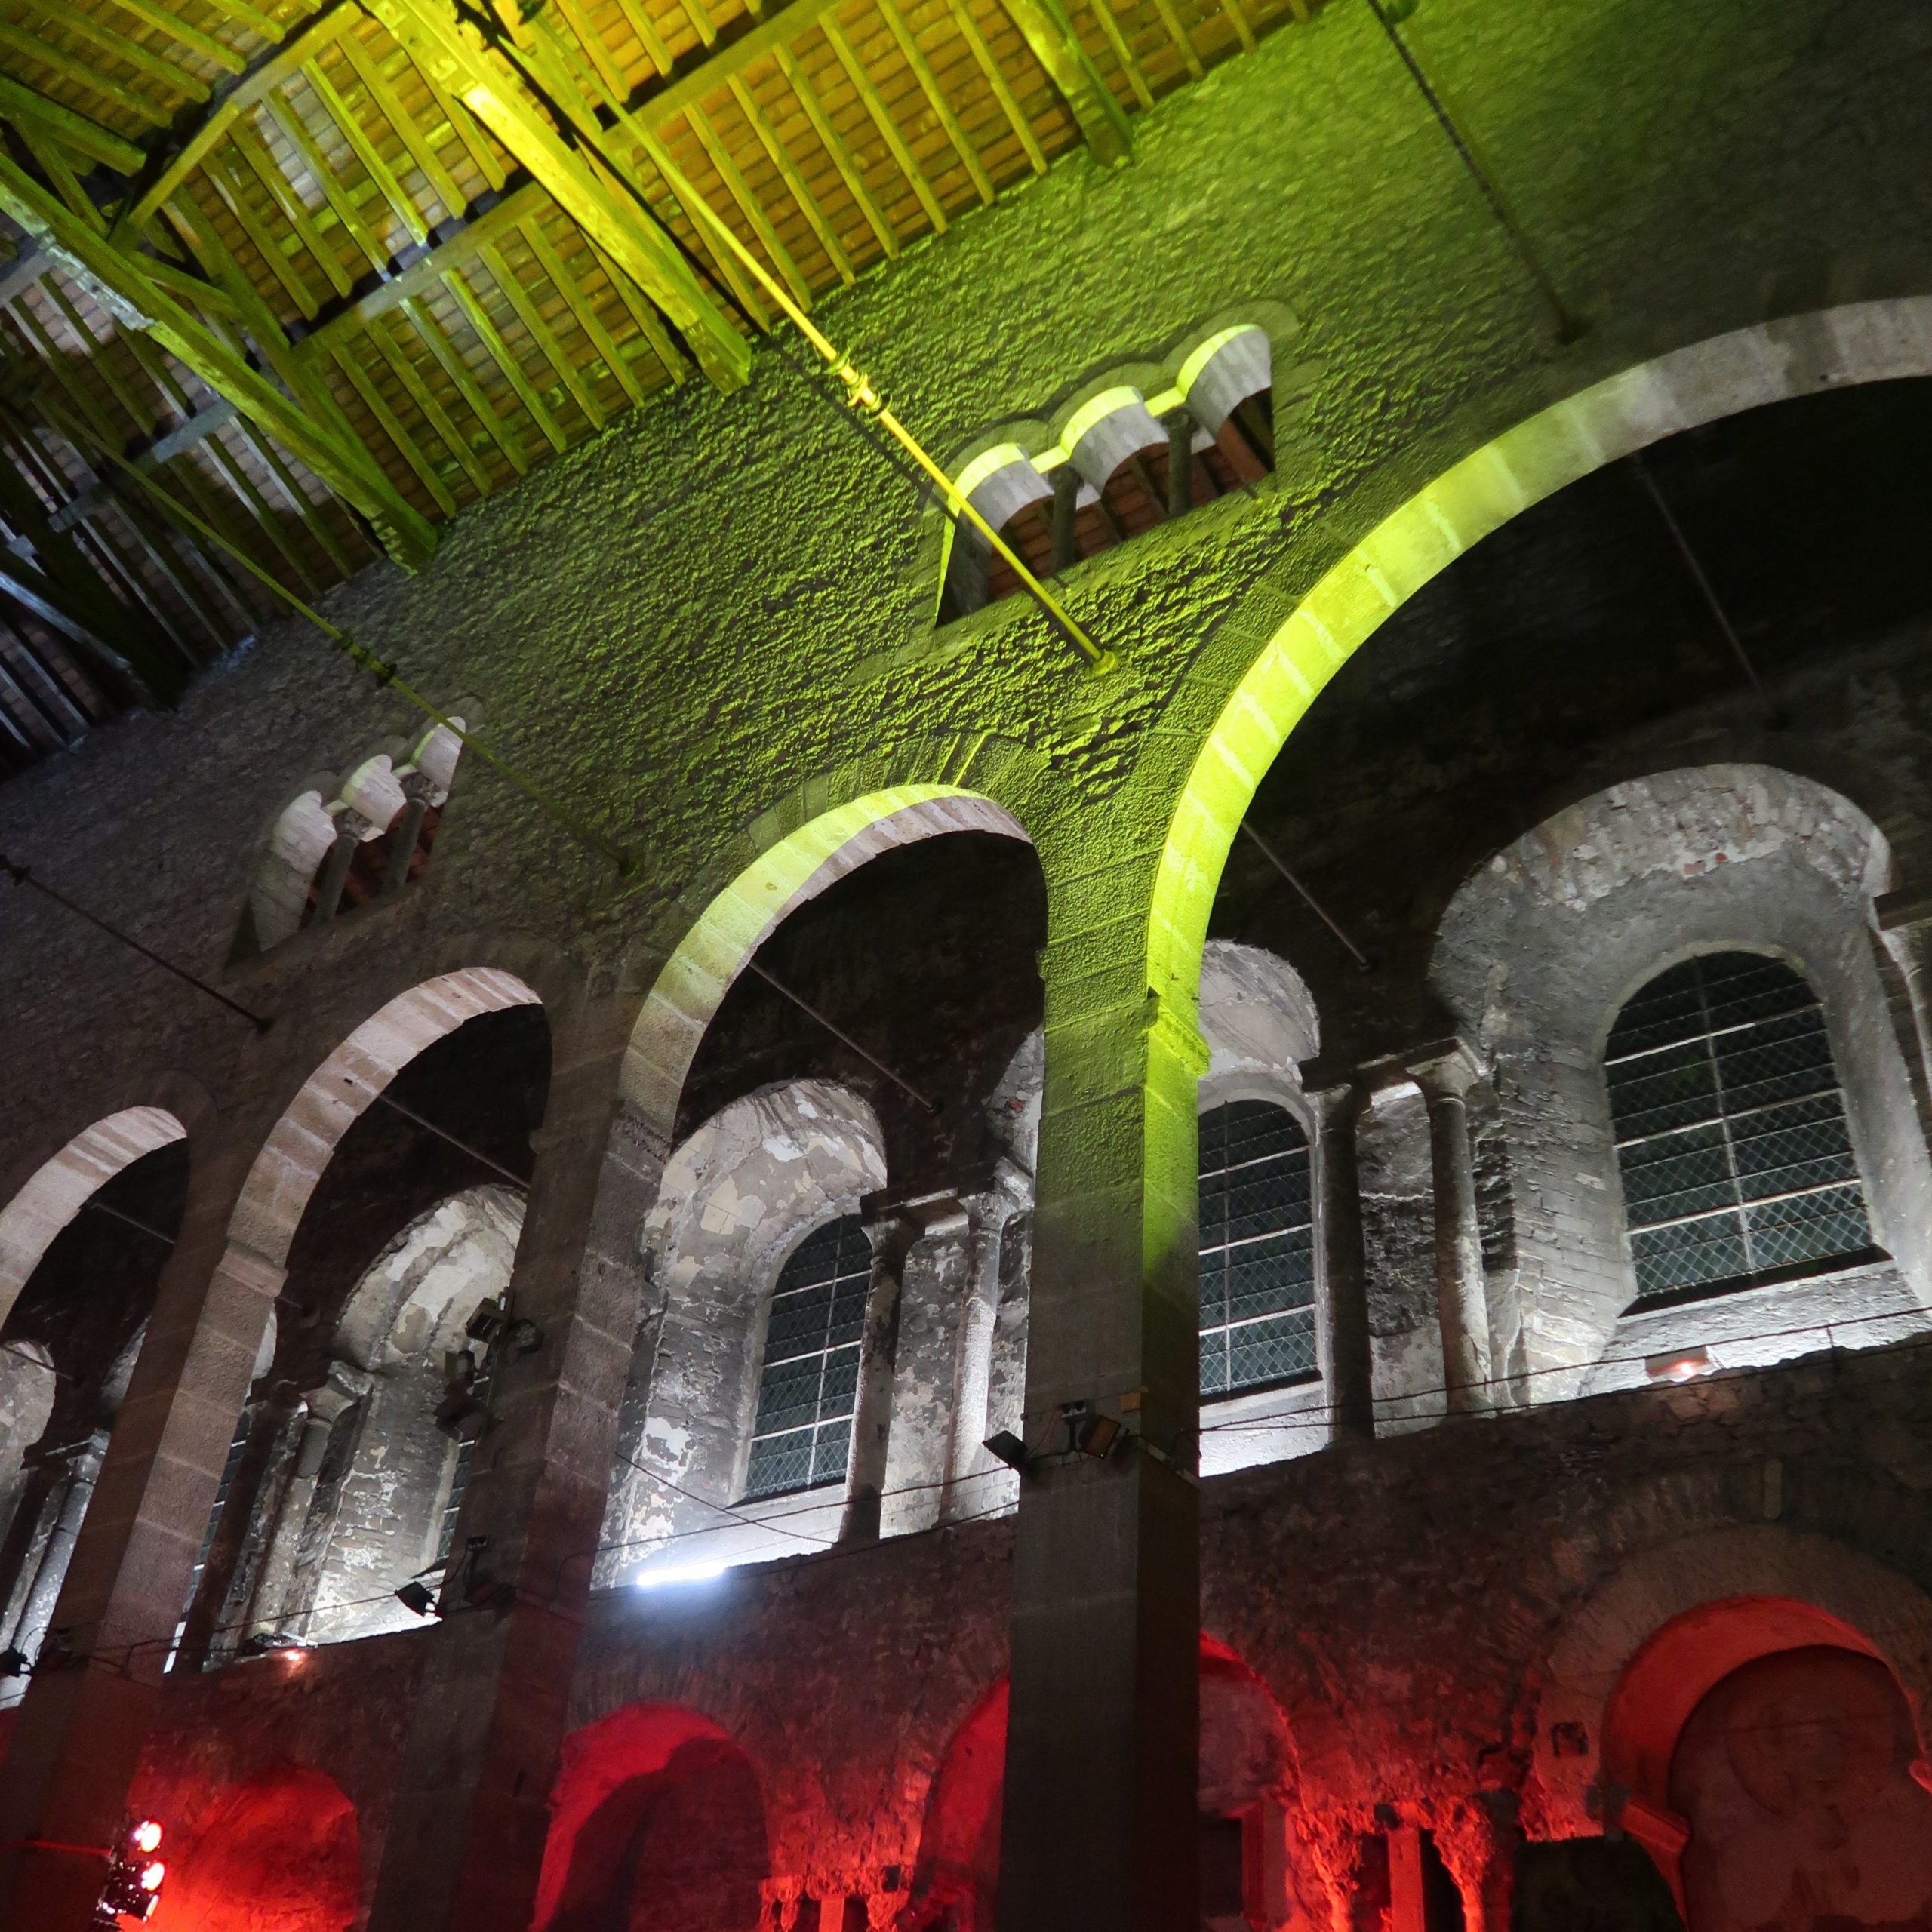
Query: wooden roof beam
pixel 1048 31
pixel 348 470
pixel 455 55
pixel 72 130
pixel 176 158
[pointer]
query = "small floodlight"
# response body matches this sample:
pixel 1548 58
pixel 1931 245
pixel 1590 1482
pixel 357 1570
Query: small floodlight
pixel 665 1576
pixel 14 1662
pixel 1010 1450
pixel 1092 1436
pixel 1683 1365
pixel 418 1596
pixel 134 1875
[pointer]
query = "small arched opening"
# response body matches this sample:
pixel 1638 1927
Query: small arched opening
pixel 656 1824
pixel 1245 1786
pixel 282 1854
pixel 82 1247
pixel 1772 1765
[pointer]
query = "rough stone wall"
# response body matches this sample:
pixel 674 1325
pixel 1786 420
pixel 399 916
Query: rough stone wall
pixel 1400 1602
pixel 723 598
pixel 1542 947
pixel 382 1518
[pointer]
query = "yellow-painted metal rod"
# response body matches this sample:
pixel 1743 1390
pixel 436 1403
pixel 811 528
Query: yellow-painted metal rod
pixel 860 393
pixel 384 674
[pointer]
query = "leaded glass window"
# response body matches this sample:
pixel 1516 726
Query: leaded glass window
pixel 803 1434
pixel 1257 1250
pixel 1731 1141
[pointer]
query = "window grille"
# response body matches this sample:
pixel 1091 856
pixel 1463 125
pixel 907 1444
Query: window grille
pixel 1732 1147
pixel 1257 1250
pixel 802 1436
pixel 453 1503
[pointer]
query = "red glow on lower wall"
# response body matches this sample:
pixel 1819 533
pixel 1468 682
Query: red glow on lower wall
pixel 282 1854
pixel 657 1825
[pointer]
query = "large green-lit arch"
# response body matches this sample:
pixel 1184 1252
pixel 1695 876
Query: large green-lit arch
pixel 692 985
pixel 1865 342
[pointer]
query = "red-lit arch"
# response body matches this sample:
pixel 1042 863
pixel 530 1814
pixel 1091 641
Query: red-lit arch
pixel 281 1854
pixel 657 1813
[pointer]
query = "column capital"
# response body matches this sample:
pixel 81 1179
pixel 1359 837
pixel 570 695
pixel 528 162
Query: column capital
pixel 1445 1069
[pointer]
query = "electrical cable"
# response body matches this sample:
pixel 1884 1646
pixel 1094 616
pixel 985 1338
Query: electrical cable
pixel 385 675
pixel 1569 328
pixel 24 876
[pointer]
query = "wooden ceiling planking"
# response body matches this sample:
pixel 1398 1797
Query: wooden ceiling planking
pixel 406 269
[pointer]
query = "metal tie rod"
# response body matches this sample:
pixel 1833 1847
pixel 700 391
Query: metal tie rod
pixel 837 1033
pixel 1314 905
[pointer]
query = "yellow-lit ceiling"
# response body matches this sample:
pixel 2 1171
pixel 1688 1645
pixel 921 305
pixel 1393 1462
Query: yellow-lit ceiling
pixel 327 274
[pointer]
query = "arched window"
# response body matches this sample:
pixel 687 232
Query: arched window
pixel 1257 1250
pixel 1732 1147
pixel 803 1434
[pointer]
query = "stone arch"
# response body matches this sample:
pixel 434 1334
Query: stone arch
pixel 298 1148
pixel 386 1517
pixel 1536 956
pixel 1681 1616
pixel 1723 376
pixel 656 1803
pixel 737 1195
pixel 283 1854
pixel 688 992
pixel 1248 1776
pixel 62 1186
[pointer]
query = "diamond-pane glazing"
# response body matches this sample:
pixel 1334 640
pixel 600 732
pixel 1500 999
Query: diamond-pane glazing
pixel 806 1395
pixel 1257 1250
pixel 1732 1145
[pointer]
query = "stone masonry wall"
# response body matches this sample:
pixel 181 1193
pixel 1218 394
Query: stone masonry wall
pixel 1400 1601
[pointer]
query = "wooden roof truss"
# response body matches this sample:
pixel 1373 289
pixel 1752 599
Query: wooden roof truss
pixel 326 274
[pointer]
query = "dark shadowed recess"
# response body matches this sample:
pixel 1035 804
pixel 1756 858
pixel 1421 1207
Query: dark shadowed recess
pixel 1501 690
pixel 927 957
pixel 485 1084
pixel 95 1284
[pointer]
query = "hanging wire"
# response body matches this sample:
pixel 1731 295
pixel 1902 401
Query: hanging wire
pixel 385 674
pixel 860 396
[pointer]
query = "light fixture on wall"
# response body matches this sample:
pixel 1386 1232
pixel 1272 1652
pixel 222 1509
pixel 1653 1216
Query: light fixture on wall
pixel 1680 1365
pixel 417 1596
pixel 1010 1450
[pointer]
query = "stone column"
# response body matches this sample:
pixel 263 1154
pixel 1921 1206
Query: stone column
pixel 892 1232
pixel 987 1215
pixel 351 829
pixel 1461 1295
pixel 231 1537
pixel 969 567
pixel 1181 462
pixel 258 1583
pixel 34 1509
pixel 71 1495
pixel 1067 513
pixel 1342 1264
pixel 1099 1826
pixel 466 1832
pixel 419 792
pixel 79 1734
